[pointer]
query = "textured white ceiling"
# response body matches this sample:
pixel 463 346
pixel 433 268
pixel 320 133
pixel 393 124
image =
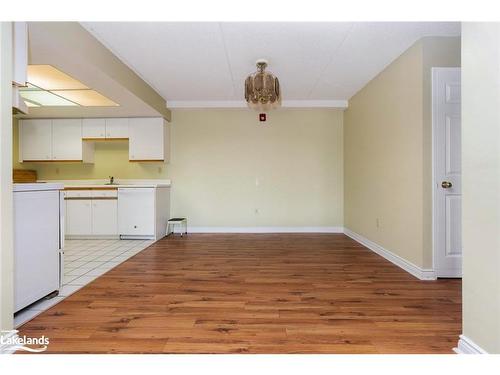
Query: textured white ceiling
pixel 200 63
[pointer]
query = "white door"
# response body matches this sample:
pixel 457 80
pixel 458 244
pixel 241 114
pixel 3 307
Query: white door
pixel 147 138
pixel 446 93
pixel 35 139
pixel 67 139
pixel 93 128
pixel 104 216
pixel 78 217
pixel 117 128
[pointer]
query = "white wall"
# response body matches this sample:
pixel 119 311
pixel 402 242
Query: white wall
pixel 6 219
pixel 481 183
pixel 388 145
pixel 295 158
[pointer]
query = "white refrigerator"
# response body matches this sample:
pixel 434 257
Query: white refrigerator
pixel 38 241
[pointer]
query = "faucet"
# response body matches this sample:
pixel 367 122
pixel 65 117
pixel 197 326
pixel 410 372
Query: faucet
pixel 111 180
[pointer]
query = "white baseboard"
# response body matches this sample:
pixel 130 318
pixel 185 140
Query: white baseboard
pixel 467 346
pixel 6 348
pixel 265 229
pixel 420 273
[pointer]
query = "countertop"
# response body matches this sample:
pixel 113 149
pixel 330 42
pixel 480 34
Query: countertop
pixel 120 183
pixel 39 186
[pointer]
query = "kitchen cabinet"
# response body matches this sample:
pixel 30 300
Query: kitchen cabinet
pixel 71 139
pixel 35 140
pixel 53 140
pixel 149 139
pixel 105 128
pixel 78 217
pixel 19 53
pixel 91 213
pixel 136 212
pixel 93 128
pixel 117 128
pixel 104 217
pixel 67 139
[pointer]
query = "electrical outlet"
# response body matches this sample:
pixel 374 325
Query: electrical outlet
pixel 377 222
pixel 57 170
pixel 160 169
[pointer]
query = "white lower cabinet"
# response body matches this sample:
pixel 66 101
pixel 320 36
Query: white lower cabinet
pixel 91 214
pixel 136 212
pixel 125 212
pixel 78 217
pixel 105 217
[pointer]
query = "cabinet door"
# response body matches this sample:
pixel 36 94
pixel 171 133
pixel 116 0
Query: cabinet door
pixel 117 128
pixel 136 211
pixel 78 217
pixel 67 139
pixel 147 139
pixel 35 140
pixel 93 128
pixel 105 216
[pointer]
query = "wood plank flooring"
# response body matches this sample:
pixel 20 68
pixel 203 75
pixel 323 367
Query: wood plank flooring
pixel 255 293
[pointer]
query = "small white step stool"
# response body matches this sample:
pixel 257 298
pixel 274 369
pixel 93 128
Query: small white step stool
pixel 181 221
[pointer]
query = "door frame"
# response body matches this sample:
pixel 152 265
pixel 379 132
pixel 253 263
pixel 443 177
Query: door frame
pixel 434 73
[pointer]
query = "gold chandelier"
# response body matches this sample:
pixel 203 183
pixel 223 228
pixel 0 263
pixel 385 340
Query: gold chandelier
pixel 262 89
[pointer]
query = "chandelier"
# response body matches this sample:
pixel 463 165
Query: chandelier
pixel 262 89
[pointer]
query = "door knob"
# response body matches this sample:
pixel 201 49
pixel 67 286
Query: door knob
pixel 446 184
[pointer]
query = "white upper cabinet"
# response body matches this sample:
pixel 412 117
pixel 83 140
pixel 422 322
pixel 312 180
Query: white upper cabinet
pixel 93 128
pixel 67 139
pixel 19 53
pixel 117 128
pixel 72 139
pixel 53 140
pixel 35 140
pixel 149 139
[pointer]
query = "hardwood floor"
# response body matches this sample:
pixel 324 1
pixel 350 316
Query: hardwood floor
pixel 255 293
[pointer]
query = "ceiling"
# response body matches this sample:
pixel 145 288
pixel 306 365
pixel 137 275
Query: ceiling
pixel 69 48
pixel 204 64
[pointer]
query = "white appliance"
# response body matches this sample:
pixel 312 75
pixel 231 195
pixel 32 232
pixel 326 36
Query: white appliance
pixel 38 241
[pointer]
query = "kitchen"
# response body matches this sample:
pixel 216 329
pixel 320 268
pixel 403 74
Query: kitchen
pixel 81 227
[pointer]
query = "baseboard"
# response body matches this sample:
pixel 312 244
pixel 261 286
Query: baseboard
pixel 8 347
pixel 467 346
pixel 265 230
pixel 420 273
pixel 92 237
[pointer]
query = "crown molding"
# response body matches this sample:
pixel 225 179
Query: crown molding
pixel 199 104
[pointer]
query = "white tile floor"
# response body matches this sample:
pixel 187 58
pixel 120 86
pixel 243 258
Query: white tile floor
pixel 84 261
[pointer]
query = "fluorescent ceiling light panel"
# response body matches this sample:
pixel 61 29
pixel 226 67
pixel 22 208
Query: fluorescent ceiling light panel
pixel 49 78
pixel 86 98
pixel 45 98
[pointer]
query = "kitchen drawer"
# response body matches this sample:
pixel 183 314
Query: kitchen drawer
pixel 78 194
pixel 104 193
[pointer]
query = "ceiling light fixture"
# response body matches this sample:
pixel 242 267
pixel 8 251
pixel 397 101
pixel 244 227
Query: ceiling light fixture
pixel 49 87
pixel 262 89
pixel 49 78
